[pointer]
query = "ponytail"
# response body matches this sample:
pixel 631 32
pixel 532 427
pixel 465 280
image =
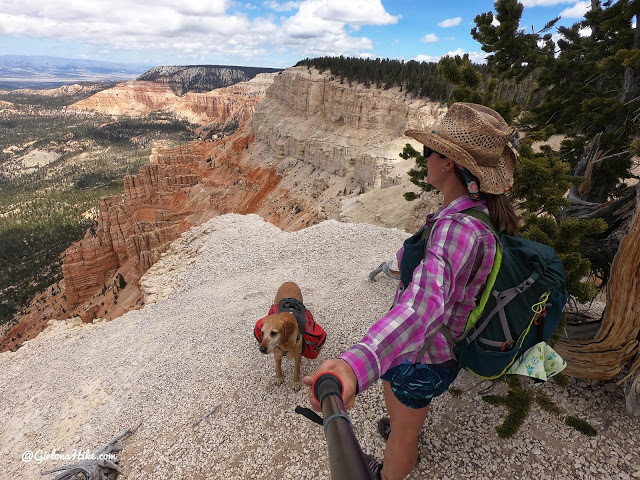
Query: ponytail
pixel 502 213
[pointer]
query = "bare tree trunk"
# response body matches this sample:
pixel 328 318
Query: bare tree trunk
pixel 616 343
pixel 599 249
pixel 595 6
pixel 631 86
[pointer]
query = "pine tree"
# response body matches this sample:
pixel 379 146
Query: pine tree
pixel 591 95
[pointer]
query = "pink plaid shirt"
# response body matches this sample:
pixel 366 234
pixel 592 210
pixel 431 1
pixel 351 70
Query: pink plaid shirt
pixel 444 287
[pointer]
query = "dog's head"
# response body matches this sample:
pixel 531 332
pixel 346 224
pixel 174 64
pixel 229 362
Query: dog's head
pixel 276 330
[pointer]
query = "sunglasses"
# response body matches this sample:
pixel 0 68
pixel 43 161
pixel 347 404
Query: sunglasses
pixel 427 151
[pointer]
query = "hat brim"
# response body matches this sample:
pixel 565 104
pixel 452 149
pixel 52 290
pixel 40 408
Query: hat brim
pixel 494 180
pixel 499 179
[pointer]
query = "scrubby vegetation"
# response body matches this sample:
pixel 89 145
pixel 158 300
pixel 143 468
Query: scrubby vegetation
pixel 33 235
pixel 420 79
pixel 44 210
pixel 130 129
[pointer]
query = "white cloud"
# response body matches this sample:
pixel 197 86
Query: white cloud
pixel 198 27
pixel 450 22
pixel 544 3
pixel 577 11
pixel 250 6
pixel 495 22
pixel 353 12
pixel 318 28
pixel 430 38
pixel 555 37
pixel 426 58
pixel 282 7
pixel 475 57
pixel 109 22
pixel 585 32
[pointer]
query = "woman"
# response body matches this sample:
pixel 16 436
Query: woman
pixel 443 270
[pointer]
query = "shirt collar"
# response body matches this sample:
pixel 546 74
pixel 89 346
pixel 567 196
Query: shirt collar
pixel 456 206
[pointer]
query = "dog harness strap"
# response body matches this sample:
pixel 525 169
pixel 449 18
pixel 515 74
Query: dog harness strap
pixel 296 308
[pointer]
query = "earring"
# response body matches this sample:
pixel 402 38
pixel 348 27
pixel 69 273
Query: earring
pixel 444 170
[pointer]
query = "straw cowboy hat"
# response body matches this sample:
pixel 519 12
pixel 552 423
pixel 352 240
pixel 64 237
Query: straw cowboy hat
pixel 476 138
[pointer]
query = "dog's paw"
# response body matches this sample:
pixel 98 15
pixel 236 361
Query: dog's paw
pixel 279 381
pixel 297 386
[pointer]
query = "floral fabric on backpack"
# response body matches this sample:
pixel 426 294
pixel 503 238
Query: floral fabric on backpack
pixel 540 362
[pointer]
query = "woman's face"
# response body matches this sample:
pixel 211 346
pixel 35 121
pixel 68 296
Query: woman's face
pixel 435 164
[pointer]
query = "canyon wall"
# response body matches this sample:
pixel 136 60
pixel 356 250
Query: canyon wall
pixel 344 130
pixel 129 98
pixel 312 148
pixel 137 227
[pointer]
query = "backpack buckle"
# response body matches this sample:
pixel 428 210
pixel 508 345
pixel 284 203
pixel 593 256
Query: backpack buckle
pixel 508 346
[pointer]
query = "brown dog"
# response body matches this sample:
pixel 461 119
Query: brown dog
pixel 280 334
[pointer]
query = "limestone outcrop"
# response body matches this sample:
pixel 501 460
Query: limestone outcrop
pixel 344 130
pixel 220 106
pixel 137 227
pixel 128 98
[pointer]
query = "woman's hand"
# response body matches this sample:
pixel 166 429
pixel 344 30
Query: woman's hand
pixel 341 369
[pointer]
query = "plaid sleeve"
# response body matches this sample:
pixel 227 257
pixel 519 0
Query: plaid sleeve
pixel 400 334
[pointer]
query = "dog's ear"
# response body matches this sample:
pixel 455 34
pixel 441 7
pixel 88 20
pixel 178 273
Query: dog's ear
pixel 290 326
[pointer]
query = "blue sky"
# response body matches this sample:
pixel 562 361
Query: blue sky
pixel 267 33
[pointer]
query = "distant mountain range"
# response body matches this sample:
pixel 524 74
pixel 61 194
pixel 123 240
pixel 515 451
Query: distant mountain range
pixel 202 78
pixel 18 71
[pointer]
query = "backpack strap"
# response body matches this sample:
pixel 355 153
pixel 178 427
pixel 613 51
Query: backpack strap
pixel 502 298
pixel 495 268
pixel 484 218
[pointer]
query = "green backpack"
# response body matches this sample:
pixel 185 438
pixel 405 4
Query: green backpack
pixel 520 306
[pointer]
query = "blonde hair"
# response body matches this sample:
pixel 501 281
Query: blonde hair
pixel 502 213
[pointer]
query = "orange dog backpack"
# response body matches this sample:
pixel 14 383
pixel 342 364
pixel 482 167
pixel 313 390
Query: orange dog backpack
pixel 313 335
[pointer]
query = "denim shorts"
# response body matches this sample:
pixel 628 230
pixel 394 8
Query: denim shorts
pixel 416 384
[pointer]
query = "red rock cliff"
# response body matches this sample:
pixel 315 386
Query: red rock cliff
pixel 179 188
pixel 325 159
